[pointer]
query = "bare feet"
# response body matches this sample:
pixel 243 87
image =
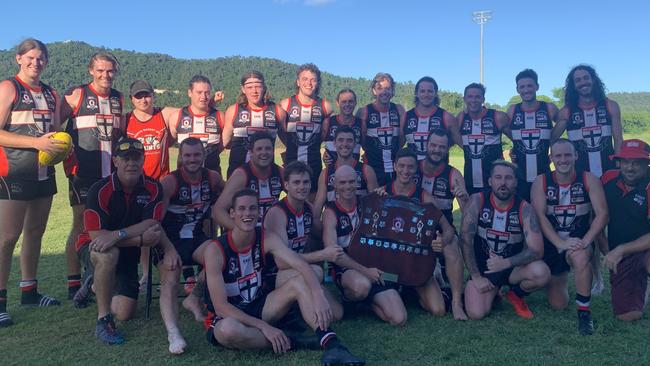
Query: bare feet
pixel 458 311
pixel 176 343
pixel 192 304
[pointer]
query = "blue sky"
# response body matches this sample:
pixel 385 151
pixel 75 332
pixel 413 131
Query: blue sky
pixel 358 38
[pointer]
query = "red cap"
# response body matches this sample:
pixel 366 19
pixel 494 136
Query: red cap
pixel 633 149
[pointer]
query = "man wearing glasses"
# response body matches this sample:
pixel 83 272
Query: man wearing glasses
pixel 123 211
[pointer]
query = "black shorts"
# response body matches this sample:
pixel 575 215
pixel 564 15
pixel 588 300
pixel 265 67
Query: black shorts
pixel 498 279
pixel 184 247
pixel 555 260
pixel 78 189
pixel 126 272
pixel 375 288
pixel 253 309
pixel 16 189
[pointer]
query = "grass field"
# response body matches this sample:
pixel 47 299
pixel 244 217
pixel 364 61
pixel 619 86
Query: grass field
pixel 65 336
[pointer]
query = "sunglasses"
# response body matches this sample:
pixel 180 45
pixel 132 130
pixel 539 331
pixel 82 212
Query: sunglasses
pixel 142 95
pixel 127 145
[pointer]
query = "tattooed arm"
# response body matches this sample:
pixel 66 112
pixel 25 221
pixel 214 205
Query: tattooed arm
pixel 469 225
pixel 533 242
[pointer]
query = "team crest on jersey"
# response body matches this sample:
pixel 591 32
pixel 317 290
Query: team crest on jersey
pixel 476 144
pixel 486 215
pixel 345 222
pixel 412 123
pixel 373 118
pixel 294 112
pixel 565 215
pixel 245 116
pixel 42 120
pixel 248 287
pixel 184 193
pixel 592 136
pixel 518 120
pixel 487 125
pixel 91 103
pixel 385 136
pixel 269 119
pixel 298 244
pixel 420 139
pixel 441 187
pixel 150 143
pixel 530 139
pixel 307 221
pixel 540 116
pixel 497 240
pixel 232 266
pixel 601 115
pixel 304 131
pixel 116 107
pixel 330 180
pixel 394 118
pixel 513 219
pixel 186 122
pixel 104 126
pixel 398 225
pixel 276 185
pixel 578 193
pixel 639 199
pixel 316 112
pixel 577 118
pixel 211 125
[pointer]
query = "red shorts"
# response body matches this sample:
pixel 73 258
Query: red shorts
pixel 629 283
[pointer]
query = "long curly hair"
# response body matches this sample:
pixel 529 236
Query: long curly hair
pixel 571 96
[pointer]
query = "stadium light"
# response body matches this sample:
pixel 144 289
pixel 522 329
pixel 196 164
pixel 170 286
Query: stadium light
pixel 480 18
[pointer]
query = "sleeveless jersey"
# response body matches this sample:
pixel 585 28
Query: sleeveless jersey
pixel 382 138
pixel 304 123
pixel 189 205
pixel 568 207
pixel 268 188
pixel 362 187
pixel 94 127
pixel 346 222
pixel 205 127
pixel 299 225
pixel 531 134
pixel 329 138
pixel 481 146
pixel 31 114
pixel 416 194
pixel 242 271
pixel 248 121
pixel 439 185
pixel 156 139
pixel 590 130
pixel 417 129
pixel 499 232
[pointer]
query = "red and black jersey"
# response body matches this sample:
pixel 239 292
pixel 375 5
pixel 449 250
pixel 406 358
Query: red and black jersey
pixel 94 127
pixel 382 138
pixel 299 224
pixel 248 121
pixel 207 128
pixel 109 207
pixel 568 206
pixel 241 270
pixel 190 205
pixel 481 147
pixel 590 130
pixel 304 123
pixel 417 129
pixel 32 111
pixel 499 231
pixel 440 186
pixel 347 222
pixel 629 212
pixel 362 182
pixel 156 139
pixel 416 194
pixel 268 188
pixel 531 134
pixel 334 124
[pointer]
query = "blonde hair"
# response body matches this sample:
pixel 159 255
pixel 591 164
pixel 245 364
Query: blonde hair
pixel 31 44
pixel 104 56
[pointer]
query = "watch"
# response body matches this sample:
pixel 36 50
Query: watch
pixel 121 234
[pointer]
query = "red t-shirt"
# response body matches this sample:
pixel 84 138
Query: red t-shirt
pixel 156 139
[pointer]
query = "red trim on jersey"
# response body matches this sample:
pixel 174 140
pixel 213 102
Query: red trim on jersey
pixel 4 163
pixel 38 89
pixel 381 110
pixel 189 179
pixel 257 174
pixel 244 250
pixel 223 253
pixel 344 209
pixel 189 109
pixel 219 120
pixel 82 93
pixel 82 239
pixel 90 86
pixel 104 194
pixel 249 106
pixel 409 194
pixel 293 210
pixel 494 205
pixel 92 221
pixel 609 175
pixel 435 109
pixel 313 102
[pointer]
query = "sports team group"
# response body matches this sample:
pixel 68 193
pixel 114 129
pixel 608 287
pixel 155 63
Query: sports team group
pixel 526 223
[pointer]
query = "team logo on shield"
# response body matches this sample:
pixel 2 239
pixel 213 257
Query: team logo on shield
pixel 530 138
pixel 385 136
pixel 420 139
pixel 592 136
pixel 42 119
pixel 304 131
pixel 398 225
pixel 248 287
pixel 27 98
pixel 476 144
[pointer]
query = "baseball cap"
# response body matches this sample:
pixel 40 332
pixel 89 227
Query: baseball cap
pixel 128 145
pixel 139 86
pixel 633 149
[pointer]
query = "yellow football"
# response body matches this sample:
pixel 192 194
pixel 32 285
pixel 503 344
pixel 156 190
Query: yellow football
pixel 52 159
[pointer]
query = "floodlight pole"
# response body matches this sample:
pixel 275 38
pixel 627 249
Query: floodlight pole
pixel 480 18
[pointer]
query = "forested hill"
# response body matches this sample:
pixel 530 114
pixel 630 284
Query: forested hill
pixel 68 67
pixel 169 76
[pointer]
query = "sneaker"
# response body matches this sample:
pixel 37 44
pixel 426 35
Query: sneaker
pixel 40 300
pixel 5 320
pixel 585 323
pixel 340 356
pixel 83 297
pixel 521 308
pixel 190 282
pixel 106 331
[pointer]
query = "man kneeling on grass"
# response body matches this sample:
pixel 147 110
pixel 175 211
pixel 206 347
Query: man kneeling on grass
pixel 242 308
pixel 122 215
